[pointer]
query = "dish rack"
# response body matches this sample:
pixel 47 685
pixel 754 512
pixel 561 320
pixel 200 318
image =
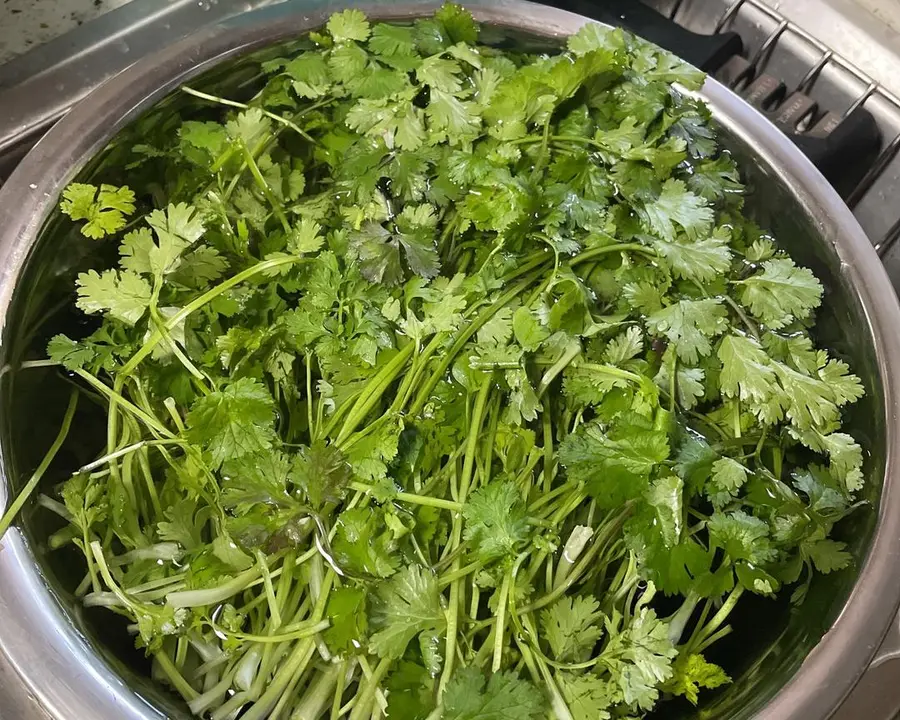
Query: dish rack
pixel 789 72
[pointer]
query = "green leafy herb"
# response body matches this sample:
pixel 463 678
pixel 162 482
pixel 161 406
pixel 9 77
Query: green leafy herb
pixel 429 368
pixel 105 209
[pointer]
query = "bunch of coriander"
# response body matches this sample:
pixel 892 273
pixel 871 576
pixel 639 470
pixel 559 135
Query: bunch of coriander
pixel 443 381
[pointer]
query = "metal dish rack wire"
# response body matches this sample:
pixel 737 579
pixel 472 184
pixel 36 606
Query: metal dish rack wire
pixel 867 90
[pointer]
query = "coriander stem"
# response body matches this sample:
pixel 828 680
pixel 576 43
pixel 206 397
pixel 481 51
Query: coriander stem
pixel 599 541
pixel 123 451
pixel 243 106
pixel 373 391
pixel 213 595
pixel 618 247
pixel 13 510
pixel 457 574
pixel 412 498
pixel 461 339
pixel 176 678
pixel 673 368
pixel 115 397
pixel 713 625
pixel 299 657
pixel 465 479
pixel 547 427
pixel 196 304
pixel 500 625
pixel 748 323
pixel 571 352
pixel 264 187
pixel 612 371
pixel 363 707
pixel 339 691
pixel 270 590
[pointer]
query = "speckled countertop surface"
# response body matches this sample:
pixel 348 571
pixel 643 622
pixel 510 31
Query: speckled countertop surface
pixel 27 23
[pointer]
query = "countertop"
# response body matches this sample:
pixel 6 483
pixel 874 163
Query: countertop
pixel 28 23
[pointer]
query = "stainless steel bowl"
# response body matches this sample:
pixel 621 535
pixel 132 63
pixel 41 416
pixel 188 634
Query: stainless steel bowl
pixel 802 664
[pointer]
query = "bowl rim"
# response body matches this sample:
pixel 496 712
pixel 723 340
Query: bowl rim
pixel 41 644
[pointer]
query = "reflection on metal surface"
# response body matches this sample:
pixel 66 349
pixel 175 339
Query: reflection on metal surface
pixel 38 87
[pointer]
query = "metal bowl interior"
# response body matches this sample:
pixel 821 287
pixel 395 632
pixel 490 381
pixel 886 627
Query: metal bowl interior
pixel 787 662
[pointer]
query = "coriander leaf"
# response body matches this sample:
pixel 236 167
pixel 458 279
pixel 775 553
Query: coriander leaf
pixel 199 267
pixel 504 697
pixel 104 208
pixel 451 117
pixel 183 524
pixel 808 401
pixel 305 237
pixel 742 536
pixel 457 22
pixel 640 657
pixel 624 346
pixel 391 40
pixel 310 75
pixel 844 454
pixel 528 331
pixel 690 325
pixel 677 206
pixel 693 672
pixel 440 74
pixel 70 354
pixel 646 297
pixel 689 387
pixel 702 260
pixel 746 370
pixel 378 249
pixel 845 460
pixel 588 696
pixel 524 403
pixel 181 220
pixel 248 127
pixel 378 253
pixel 347 611
pixel 694 130
pixel 728 476
pixel 828 555
pixel 235 421
pixel 135 251
pixel 124 296
pixel 410 687
pixel 323 472
pixel 362 544
pixel 781 292
pixel 263 477
pixel 176 229
pixel 845 386
pixel 370 456
pixel 406 605
pixel 416 225
pixel 498 329
pixel 796 351
pixel 348 25
pixel 496 522
pixel 572 627
pixel 615 464
pixel 594 36
pixel 665 498
pixel 716 179
pixel 348 63
pixel 210 137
